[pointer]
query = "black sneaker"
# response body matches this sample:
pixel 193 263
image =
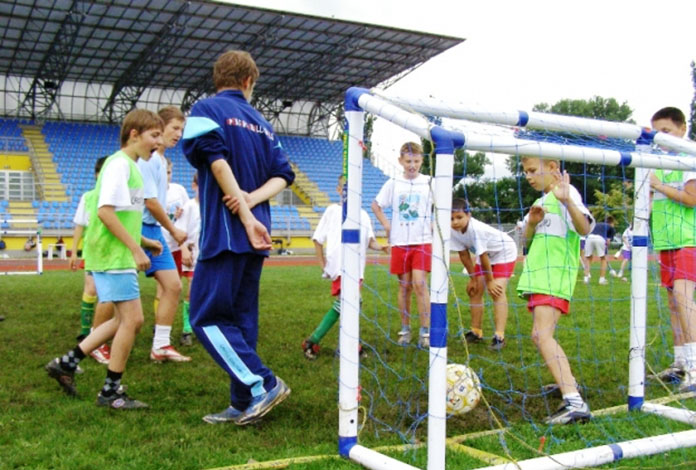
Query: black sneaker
pixel 65 378
pixel 120 401
pixel 496 343
pixel 186 339
pixel 310 349
pixel 472 337
pixel 568 414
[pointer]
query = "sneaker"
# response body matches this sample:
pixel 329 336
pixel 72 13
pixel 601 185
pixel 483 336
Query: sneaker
pixel 472 337
pixel 261 405
pixel 614 273
pixel 688 383
pixel 424 341
pixel 65 378
pixel 102 354
pixel 586 279
pixel 496 343
pixel 225 416
pixel 674 373
pixel 567 414
pixel 603 281
pixel 311 350
pixel 120 401
pixel 186 339
pixel 404 337
pixel 168 353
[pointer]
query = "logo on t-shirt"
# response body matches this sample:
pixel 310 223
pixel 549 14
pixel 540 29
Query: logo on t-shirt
pixel 408 207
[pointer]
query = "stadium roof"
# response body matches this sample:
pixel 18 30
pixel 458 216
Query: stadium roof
pixel 139 44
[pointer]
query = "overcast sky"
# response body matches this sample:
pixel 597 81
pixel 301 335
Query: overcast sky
pixel 519 53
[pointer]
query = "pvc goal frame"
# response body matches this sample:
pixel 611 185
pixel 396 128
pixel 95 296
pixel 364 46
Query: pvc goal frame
pixel 403 112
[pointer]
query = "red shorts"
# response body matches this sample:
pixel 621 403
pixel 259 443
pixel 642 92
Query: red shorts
pixel 405 259
pixel 177 260
pixel 542 299
pixel 677 264
pixel 499 270
pixel 336 286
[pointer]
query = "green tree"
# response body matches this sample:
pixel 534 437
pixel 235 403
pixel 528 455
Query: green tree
pixel 590 179
pixel 466 165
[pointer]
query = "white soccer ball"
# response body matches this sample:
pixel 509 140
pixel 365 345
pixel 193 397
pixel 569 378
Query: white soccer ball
pixel 463 389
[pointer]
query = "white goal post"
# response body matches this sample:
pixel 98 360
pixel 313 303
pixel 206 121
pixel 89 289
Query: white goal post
pixel 410 114
pixel 29 232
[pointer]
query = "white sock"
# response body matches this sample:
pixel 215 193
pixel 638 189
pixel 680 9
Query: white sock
pixel 574 399
pixel 689 355
pixel 161 338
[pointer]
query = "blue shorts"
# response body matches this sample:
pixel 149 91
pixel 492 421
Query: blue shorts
pixel 163 262
pixel 116 287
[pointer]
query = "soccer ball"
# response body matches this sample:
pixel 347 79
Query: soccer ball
pixel 463 389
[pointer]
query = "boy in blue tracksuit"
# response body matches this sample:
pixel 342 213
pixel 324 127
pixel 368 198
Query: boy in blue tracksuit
pixel 241 165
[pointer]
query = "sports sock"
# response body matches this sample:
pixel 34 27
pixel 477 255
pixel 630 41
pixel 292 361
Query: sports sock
pixel 86 313
pixel 111 383
pixel 574 399
pixel 500 335
pixel 680 356
pixel 477 331
pixel 186 329
pixel 327 322
pixel 72 358
pixel 161 338
pixel 424 330
pixel 690 355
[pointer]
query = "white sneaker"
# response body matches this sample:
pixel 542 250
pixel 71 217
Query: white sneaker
pixel 424 341
pixel 603 281
pixel 568 414
pixel 688 383
pixel 614 273
pixel 404 338
pixel 586 279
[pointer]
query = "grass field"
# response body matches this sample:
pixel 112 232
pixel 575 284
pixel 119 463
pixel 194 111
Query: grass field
pixel 42 428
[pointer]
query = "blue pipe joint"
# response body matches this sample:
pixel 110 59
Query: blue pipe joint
pixel 345 444
pixel 353 94
pixel 438 325
pixel 647 136
pixel 443 140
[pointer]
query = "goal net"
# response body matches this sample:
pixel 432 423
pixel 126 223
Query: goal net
pixel 26 257
pixel 392 401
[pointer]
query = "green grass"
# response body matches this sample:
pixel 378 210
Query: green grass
pixel 42 428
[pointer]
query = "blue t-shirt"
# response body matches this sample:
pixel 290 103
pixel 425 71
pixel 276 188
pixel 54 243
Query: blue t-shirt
pixel 227 126
pixel 604 230
pixel 154 173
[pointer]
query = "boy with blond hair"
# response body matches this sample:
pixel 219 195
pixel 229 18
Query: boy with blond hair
pixel 553 225
pixel 410 236
pixel 114 255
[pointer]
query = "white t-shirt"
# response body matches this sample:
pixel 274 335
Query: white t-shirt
pixel 556 225
pixel 177 197
pixel 328 233
pixel 627 239
pixel 114 186
pixel 154 173
pixel 190 222
pixel 481 238
pixel 81 215
pixel 411 205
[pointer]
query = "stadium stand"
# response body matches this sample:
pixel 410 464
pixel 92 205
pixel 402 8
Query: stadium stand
pixel 11 136
pixel 76 146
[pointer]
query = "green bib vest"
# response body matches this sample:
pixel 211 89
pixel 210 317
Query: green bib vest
pixel 551 265
pixel 105 252
pixel 672 225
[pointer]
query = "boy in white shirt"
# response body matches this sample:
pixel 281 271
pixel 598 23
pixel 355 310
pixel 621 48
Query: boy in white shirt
pixel 496 252
pixel 190 222
pixel 328 233
pixel 410 236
